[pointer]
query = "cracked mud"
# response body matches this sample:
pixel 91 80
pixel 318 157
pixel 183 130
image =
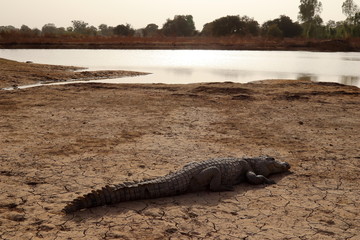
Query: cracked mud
pixel 58 142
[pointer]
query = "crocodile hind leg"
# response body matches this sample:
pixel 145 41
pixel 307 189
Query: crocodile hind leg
pixel 209 178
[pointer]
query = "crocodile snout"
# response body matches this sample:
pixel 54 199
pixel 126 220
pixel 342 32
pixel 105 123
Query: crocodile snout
pixel 286 165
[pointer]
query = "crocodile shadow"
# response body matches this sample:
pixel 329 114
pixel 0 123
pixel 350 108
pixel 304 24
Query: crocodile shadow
pixel 205 199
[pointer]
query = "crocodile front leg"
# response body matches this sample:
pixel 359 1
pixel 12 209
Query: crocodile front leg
pixel 258 179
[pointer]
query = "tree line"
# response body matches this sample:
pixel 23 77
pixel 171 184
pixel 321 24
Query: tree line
pixel 309 25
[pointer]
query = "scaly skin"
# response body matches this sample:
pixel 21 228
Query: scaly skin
pixel 215 175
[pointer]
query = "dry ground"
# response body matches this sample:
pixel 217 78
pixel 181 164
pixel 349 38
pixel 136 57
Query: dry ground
pixel 57 142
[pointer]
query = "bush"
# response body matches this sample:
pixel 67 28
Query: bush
pixel 181 26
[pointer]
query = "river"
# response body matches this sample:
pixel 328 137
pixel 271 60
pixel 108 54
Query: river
pixel 193 66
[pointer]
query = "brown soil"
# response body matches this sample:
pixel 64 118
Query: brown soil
pixel 58 142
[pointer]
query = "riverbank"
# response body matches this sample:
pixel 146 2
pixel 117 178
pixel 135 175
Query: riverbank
pixel 15 73
pixel 58 142
pixel 332 45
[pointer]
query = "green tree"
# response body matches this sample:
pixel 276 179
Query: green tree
pixel 79 26
pixel 351 27
pixel 207 29
pixel 91 31
pixel 49 30
pixel 309 9
pixel 181 25
pixel 124 30
pixel 105 30
pixel 36 32
pixel 151 30
pixel 331 29
pixel 316 28
pixel 284 23
pixel 224 26
pixel 288 27
pixel 249 26
pixel 8 31
pixel 25 29
pixel 356 31
pixel 349 8
pixel 275 31
pixel 343 29
pixel 309 14
pixel 357 18
pixel 232 25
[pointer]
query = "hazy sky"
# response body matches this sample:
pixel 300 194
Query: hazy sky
pixel 139 13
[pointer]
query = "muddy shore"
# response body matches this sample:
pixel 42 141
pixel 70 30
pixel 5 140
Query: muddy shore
pixel 58 142
pixel 15 73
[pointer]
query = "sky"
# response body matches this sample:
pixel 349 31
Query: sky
pixel 139 13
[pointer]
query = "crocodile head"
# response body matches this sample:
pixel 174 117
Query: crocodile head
pixel 266 165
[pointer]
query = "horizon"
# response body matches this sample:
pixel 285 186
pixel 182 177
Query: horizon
pixel 139 13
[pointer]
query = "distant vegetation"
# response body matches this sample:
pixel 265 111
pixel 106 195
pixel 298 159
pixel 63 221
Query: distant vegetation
pixel 309 25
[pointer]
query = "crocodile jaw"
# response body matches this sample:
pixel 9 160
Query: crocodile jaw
pixel 278 167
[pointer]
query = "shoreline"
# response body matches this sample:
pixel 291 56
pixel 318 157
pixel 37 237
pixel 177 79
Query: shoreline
pixel 14 74
pixel 334 45
pixel 22 75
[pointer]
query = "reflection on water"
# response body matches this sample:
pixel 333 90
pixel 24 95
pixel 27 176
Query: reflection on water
pixel 347 80
pixel 351 59
pixel 307 77
pixel 191 66
pixel 186 72
pixel 229 74
pixel 350 80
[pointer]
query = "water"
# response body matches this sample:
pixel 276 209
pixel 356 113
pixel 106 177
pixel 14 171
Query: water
pixel 193 66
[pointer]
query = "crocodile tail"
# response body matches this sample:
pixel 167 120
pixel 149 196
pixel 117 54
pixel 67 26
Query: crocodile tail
pixel 151 188
pixel 106 196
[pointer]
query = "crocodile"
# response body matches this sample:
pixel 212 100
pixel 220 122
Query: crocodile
pixel 219 174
